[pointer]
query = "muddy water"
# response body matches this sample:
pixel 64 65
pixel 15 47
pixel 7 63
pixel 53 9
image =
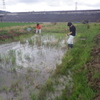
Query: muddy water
pixel 26 67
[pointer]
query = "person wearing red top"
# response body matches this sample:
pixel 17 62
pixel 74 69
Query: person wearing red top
pixel 38 28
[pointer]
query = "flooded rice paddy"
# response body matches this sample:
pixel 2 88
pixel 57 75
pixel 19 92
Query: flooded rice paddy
pixel 26 65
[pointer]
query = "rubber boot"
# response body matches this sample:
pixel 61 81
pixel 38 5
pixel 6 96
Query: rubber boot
pixel 71 45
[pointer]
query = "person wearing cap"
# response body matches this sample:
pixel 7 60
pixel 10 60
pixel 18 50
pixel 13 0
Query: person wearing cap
pixel 71 34
pixel 38 28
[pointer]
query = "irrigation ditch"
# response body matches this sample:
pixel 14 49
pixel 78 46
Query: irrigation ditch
pixel 39 67
pixel 26 65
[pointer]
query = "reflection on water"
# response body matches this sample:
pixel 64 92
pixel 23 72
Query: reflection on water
pixel 38 55
pixel 46 55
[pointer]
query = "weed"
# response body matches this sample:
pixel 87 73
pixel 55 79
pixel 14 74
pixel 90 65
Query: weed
pixel 96 75
pixel 33 96
pixel 31 41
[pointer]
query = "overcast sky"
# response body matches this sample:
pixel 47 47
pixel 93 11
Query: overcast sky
pixel 48 5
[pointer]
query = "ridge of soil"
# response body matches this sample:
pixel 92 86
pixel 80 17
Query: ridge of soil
pixel 93 68
pixel 12 33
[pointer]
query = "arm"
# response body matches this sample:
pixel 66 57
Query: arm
pixel 68 33
pixel 67 28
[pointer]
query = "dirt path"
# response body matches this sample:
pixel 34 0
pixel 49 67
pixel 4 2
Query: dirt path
pixel 94 68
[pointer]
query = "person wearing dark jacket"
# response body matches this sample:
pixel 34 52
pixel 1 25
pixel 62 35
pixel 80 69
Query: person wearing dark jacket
pixel 71 34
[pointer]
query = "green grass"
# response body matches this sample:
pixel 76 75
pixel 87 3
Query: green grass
pixel 80 55
pixel 75 60
pixel 6 24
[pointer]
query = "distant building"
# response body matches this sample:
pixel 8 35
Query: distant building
pixel 53 16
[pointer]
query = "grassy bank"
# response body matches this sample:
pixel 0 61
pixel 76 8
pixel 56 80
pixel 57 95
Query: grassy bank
pixel 80 56
pixel 76 60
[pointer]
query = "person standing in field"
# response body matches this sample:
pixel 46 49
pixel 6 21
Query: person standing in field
pixel 71 34
pixel 38 28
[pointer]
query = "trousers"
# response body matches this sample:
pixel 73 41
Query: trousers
pixel 70 39
pixel 38 31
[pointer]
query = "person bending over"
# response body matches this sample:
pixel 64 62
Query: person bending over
pixel 38 28
pixel 71 34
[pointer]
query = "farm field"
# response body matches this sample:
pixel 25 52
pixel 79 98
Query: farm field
pixel 9 24
pixel 40 67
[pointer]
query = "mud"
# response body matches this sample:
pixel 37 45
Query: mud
pixel 93 67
